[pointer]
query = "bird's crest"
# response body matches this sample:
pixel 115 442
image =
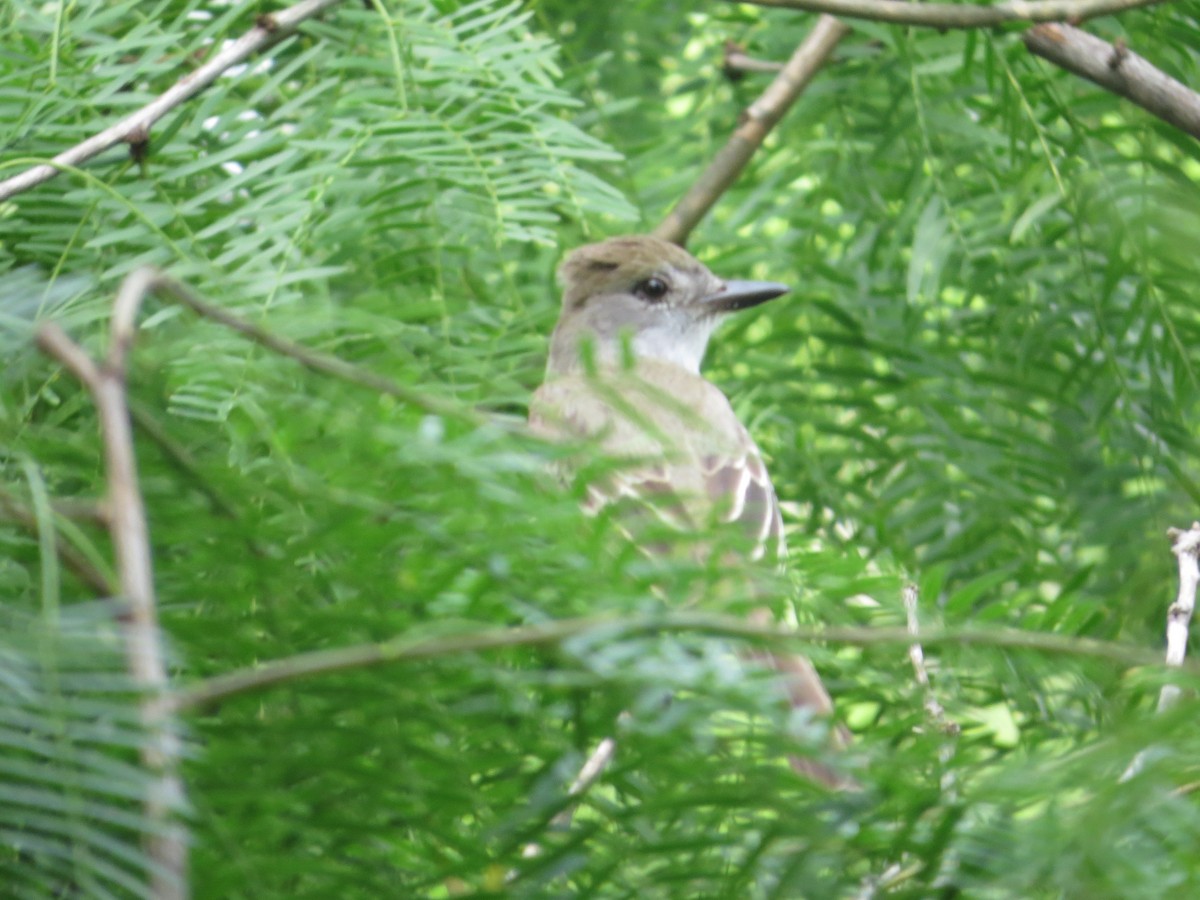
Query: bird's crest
pixel 617 264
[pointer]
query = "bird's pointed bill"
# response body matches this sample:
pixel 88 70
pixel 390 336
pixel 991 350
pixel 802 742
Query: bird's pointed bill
pixel 743 295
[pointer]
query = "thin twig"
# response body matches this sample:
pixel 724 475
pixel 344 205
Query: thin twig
pixel 165 841
pixel 314 360
pixel 593 767
pixel 15 511
pixel 404 650
pixel 737 62
pixel 949 728
pixel 135 128
pixel 589 773
pixel 757 121
pixel 54 342
pixel 91 512
pixel 960 15
pixel 1186 547
pixel 1115 68
pixel 179 458
pixel 916 654
pixel 88 511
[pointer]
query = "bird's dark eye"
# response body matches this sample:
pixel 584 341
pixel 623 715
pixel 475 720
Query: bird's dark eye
pixel 652 289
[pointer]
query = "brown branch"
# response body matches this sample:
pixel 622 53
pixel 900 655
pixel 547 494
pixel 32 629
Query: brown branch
pixel 15 511
pixel 401 650
pixel 736 62
pixel 179 458
pixel 961 15
pixel 54 342
pixel 127 525
pixel 135 128
pixel 757 121
pixel 165 842
pixel 90 512
pixel 312 359
pixel 1116 69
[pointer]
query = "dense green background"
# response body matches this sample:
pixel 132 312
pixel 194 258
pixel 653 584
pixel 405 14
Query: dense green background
pixel 985 380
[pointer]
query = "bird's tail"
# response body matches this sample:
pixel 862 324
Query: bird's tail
pixel 805 690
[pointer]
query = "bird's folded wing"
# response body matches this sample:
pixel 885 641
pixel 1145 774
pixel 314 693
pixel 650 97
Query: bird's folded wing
pixel 679 449
pixel 684 455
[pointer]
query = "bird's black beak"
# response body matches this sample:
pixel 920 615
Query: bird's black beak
pixel 743 295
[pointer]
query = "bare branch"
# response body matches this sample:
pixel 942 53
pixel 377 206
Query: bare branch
pixel 92 512
pixel 53 341
pixel 589 773
pixel 179 458
pixel 401 650
pixel 15 511
pixel 757 121
pixel 593 767
pixel 135 128
pixel 1186 547
pixel 1117 69
pixel 917 655
pixel 737 62
pixel 948 727
pixel 123 325
pixel 961 15
pixel 160 751
pixel 312 359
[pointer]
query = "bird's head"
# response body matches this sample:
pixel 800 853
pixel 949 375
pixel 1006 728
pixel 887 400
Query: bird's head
pixel 652 294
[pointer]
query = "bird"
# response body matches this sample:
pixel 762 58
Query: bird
pixel 623 371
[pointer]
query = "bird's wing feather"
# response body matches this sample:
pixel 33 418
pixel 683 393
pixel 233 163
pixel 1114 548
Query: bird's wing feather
pixel 740 489
pixel 697 465
pixel 695 462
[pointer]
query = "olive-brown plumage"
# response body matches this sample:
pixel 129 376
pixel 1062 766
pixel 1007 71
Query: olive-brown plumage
pixel 624 370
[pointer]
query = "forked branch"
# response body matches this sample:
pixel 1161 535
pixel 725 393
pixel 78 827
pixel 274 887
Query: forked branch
pixel 106 382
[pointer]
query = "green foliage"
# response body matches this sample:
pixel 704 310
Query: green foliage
pixel 984 381
pixel 69 780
